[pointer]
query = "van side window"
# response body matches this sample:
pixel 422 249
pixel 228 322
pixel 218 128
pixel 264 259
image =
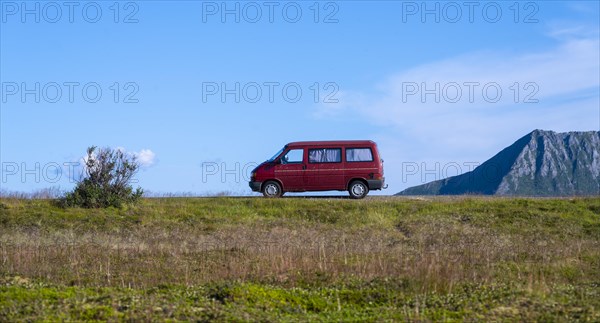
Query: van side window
pixel 293 156
pixel 359 154
pixel 325 155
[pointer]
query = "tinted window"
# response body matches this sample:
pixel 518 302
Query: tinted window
pixel 359 154
pixel 292 156
pixel 325 155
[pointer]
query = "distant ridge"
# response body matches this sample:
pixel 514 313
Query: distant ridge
pixel 542 163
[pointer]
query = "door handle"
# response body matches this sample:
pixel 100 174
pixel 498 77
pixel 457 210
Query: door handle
pixel 303 166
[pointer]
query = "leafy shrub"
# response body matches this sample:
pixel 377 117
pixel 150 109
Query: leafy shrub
pixel 106 180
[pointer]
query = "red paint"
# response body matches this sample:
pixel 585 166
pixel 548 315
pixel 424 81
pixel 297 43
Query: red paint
pixel 324 166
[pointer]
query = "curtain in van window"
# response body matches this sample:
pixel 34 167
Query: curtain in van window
pixel 358 154
pixel 333 155
pixel 324 155
pixel 315 155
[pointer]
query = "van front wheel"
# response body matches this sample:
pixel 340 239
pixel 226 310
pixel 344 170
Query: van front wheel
pixel 272 189
pixel 358 189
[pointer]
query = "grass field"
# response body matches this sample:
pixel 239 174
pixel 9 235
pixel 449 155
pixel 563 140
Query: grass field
pixel 294 259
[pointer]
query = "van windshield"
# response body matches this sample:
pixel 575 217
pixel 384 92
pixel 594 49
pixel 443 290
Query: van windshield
pixel 276 155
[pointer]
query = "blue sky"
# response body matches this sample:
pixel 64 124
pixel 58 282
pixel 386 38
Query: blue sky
pixel 422 79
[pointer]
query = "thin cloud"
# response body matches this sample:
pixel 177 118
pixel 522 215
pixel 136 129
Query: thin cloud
pixel 550 89
pixel 145 157
pixel 420 131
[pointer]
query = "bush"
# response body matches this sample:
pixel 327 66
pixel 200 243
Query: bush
pixel 105 181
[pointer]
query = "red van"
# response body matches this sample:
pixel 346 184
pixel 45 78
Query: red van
pixel 351 165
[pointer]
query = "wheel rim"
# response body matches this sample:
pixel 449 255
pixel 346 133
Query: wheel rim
pixel 271 189
pixel 358 190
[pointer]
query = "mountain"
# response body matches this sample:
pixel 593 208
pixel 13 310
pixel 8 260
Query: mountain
pixel 542 163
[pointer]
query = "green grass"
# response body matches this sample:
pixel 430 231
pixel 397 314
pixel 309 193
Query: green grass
pixel 240 259
pixel 236 301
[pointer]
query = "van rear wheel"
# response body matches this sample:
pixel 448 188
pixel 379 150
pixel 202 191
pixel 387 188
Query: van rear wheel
pixel 272 189
pixel 358 189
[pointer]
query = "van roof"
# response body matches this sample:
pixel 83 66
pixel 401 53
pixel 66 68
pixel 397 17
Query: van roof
pixel 331 143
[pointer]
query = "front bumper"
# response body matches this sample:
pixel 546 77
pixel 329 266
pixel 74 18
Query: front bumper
pixel 376 184
pixel 255 186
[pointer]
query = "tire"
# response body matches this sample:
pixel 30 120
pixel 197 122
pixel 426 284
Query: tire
pixel 358 189
pixel 272 189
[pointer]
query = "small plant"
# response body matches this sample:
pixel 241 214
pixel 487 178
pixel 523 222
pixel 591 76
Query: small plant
pixel 106 180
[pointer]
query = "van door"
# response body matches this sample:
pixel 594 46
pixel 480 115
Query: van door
pixel 325 170
pixel 290 170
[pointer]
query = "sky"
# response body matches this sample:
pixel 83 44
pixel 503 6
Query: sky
pixel 202 91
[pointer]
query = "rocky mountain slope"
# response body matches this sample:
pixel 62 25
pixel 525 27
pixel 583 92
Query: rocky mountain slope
pixel 542 163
